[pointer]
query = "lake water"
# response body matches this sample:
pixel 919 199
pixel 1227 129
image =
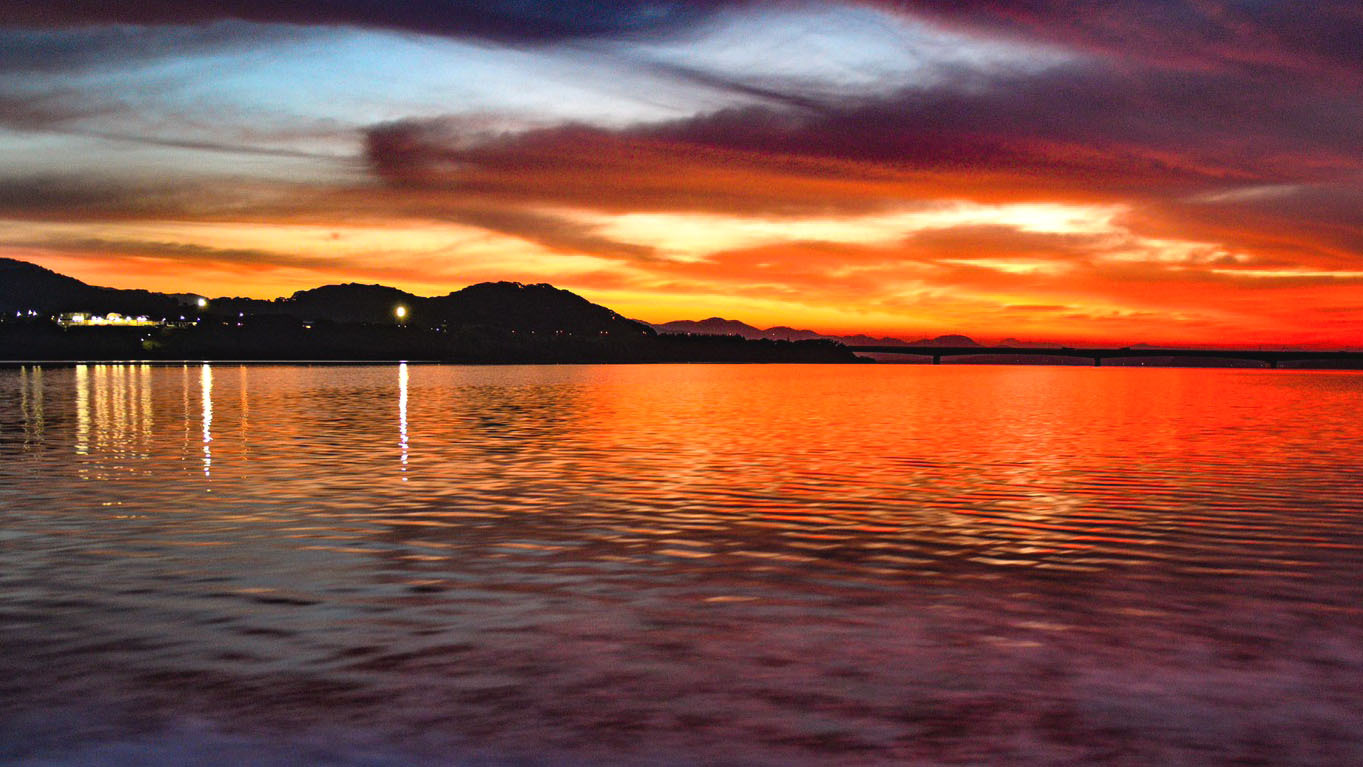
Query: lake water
pixel 679 565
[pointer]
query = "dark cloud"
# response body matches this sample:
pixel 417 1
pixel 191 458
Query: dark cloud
pixel 1083 131
pixel 586 167
pixel 44 51
pixel 36 111
pixel 172 142
pixel 154 256
pixel 178 252
pixel 552 232
pixel 1104 124
pixel 76 197
pixel 72 197
pixel 80 198
pixel 1322 224
pixel 507 20
pixel 1322 37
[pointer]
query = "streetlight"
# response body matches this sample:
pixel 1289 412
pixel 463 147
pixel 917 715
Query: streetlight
pixel 400 312
pixel 202 302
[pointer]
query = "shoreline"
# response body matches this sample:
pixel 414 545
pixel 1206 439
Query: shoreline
pixel 263 362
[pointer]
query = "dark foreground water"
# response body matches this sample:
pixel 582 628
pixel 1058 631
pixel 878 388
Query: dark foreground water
pixel 680 565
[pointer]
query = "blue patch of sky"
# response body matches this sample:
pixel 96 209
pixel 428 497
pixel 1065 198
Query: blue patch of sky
pixel 282 87
pixel 846 50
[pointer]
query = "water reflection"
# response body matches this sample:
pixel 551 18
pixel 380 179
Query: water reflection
pixel 735 565
pixel 31 403
pixel 114 410
pixel 206 393
pixel 402 417
pixel 244 416
pixel 148 419
pixel 82 409
pixel 101 395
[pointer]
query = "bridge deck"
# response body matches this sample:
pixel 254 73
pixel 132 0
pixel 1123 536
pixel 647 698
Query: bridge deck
pixel 1270 358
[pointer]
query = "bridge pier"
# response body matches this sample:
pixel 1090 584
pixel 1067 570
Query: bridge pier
pixel 936 359
pixel 1097 362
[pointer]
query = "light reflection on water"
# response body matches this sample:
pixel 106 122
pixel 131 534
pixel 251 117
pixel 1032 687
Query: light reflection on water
pixel 686 564
pixel 402 416
pixel 206 393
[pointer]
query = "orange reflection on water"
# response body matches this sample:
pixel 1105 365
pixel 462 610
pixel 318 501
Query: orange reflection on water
pixel 1038 466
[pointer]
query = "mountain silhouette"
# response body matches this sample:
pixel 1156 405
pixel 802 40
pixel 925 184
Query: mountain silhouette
pixel 714 326
pixel 718 326
pixel 490 322
pixel 540 307
pixel 509 305
pixel 26 287
pixel 1019 344
pixel 948 340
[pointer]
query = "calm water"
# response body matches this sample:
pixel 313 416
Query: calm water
pixel 679 565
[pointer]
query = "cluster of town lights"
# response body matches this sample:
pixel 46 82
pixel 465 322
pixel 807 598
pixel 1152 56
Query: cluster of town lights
pixel 112 318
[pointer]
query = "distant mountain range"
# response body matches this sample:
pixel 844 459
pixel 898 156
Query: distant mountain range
pixel 487 322
pixel 508 305
pixel 539 308
pixel 48 316
pixel 1016 344
pixel 27 287
pixel 718 326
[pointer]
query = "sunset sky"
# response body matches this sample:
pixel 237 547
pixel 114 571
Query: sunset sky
pixel 1109 172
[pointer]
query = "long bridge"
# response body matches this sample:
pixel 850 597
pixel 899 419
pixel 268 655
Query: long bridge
pixel 1270 358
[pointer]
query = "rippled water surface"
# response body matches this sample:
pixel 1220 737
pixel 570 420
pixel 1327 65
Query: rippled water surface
pixel 679 565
